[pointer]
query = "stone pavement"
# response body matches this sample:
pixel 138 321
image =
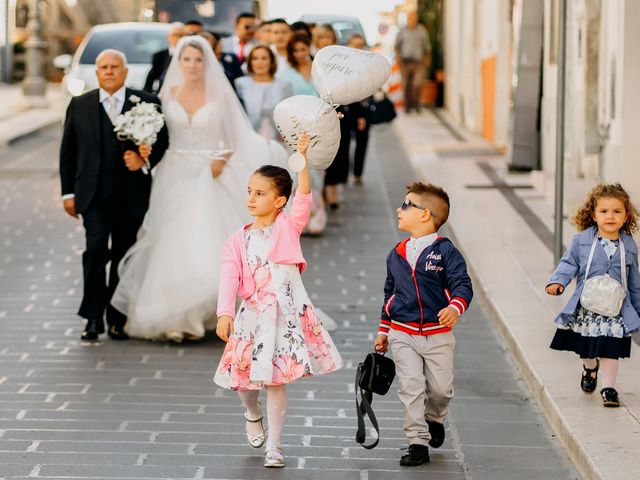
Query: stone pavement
pixel 150 410
pixel 504 227
pixel 18 120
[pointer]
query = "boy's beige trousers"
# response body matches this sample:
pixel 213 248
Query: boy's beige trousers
pixel 424 367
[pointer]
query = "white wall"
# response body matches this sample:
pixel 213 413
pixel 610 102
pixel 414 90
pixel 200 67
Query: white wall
pixel 630 108
pixel 503 73
pixel 612 68
pixel 473 32
pixel 452 58
pixel 549 102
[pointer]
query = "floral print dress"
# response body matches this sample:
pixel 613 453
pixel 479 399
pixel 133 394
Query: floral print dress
pixel 278 337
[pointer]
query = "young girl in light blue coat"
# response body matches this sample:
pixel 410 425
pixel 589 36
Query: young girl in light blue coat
pixel 606 219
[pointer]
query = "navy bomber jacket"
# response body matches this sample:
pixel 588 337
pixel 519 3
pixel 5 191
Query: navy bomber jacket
pixel 413 297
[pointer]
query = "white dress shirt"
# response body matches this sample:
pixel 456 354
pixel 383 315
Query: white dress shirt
pixel 118 95
pixel 415 246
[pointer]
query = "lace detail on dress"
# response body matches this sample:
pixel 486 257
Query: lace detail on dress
pixel 204 131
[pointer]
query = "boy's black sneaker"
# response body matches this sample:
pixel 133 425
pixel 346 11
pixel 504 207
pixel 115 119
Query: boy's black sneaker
pixel 610 397
pixel 436 430
pixel 416 455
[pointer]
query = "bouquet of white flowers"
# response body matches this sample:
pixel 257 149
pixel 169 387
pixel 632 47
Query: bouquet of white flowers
pixel 141 124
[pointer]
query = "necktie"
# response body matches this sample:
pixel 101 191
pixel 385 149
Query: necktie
pixel 113 112
pixel 241 52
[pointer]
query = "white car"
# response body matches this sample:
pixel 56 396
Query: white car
pixel 344 26
pixel 138 41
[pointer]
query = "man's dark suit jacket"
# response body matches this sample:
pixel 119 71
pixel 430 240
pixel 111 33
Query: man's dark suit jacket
pixel 80 152
pixel 232 67
pixel 159 63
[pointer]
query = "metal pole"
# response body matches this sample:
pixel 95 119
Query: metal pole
pixel 34 85
pixel 559 192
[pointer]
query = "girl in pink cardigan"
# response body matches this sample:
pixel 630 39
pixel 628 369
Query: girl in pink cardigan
pixel 276 337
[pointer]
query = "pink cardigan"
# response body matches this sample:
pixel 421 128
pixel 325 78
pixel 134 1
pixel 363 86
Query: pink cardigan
pixel 235 276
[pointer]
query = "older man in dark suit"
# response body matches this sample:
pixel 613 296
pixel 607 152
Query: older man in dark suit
pixel 107 182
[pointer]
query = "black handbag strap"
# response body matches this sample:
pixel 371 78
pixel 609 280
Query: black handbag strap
pixel 364 408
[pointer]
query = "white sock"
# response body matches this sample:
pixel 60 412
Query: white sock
pixel 276 412
pixel 590 363
pixel 608 372
pixel 249 399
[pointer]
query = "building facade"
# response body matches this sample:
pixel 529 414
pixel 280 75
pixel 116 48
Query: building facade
pixel 502 74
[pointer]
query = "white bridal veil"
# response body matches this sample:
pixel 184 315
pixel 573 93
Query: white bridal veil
pixel 169 278
pixel 249 148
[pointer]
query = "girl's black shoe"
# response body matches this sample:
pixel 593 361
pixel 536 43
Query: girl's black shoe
pixel 610 397
pixel 588 383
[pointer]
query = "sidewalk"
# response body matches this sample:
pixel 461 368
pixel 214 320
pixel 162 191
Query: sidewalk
pixel 504 227
pixel 18 120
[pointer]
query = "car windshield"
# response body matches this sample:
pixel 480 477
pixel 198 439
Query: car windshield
pixel 137 45
pixel 344 30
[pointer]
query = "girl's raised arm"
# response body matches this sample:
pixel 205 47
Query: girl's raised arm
pixel 304 179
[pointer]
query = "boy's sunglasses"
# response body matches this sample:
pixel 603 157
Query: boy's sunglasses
pixel 409 204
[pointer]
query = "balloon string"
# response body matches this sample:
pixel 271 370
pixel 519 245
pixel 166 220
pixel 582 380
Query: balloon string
pixel 315 118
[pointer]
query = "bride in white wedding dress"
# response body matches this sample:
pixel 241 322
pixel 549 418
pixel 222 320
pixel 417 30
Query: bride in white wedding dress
pixel 169 278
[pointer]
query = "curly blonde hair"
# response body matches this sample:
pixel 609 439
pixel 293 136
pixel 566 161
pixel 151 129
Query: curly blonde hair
pixel 584 216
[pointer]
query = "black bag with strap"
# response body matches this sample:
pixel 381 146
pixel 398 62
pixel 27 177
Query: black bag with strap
pixel 380 109
pixel 374 375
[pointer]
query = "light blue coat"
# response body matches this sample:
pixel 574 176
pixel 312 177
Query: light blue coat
pixel 574 263
pixel 300 85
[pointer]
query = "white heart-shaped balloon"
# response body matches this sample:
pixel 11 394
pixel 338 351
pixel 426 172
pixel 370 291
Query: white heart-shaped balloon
pixel 301 113
pixel 345 75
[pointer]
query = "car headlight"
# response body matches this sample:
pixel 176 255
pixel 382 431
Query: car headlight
pixel 75 86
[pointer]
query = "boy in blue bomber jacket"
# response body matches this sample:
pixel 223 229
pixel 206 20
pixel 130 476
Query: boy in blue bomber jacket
pixel 426 290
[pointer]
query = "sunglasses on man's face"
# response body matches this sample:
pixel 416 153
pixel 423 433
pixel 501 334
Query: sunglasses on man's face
pixel 409 204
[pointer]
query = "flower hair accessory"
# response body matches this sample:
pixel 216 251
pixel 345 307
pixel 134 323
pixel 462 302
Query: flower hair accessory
pixel 141 124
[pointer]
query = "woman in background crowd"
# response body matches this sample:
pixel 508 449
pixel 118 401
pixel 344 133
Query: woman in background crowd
pixel 299 75
pixel 360 127
pixel 325 35
pixel 299 71
pixel 260 91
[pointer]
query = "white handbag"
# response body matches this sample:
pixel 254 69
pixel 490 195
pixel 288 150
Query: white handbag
pixel 603 294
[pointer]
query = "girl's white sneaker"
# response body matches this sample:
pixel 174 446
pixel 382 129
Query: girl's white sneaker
pixel 274 458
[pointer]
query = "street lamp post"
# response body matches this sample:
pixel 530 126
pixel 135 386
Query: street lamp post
pixel 34 85
pixel 559 190
pixel 4 41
